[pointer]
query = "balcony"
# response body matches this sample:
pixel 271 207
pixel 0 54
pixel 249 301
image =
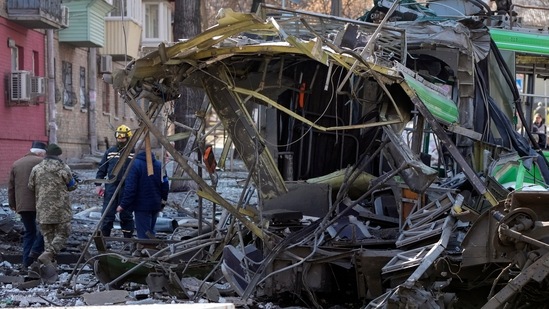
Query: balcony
pixel 87 23
pixel 123 39
pixel 37 14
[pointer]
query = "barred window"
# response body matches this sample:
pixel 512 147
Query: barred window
pixel 69 97
pixel 83 97
pixel 106 98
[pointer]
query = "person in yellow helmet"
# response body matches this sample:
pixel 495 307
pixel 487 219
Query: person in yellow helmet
pixel 108 162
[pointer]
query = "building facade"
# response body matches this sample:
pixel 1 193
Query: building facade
pixel 54 58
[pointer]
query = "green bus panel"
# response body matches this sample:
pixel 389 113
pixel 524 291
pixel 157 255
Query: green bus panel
pixel 524 42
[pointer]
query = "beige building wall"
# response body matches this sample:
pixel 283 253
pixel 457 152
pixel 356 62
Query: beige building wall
pixel 73 116
pixel 73 119
pixel 117 112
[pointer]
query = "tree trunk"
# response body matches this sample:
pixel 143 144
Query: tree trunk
pixel 187 24
pixel 255 5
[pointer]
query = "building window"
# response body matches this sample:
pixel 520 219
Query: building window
pixel 83 97
pixel 69 97
pixel 20 58
pixel 151 21
pixel 119 8
pixel 127 8
pixel 15 58
pixel 35 63
pixel 106 98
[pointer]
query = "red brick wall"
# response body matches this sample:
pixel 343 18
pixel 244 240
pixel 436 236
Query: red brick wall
pixel 19 125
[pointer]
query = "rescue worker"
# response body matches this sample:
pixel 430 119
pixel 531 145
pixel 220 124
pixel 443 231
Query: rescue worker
pixel 106 166
pixel 22 201
pixel 51 180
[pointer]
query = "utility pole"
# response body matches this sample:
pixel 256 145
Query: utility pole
pixel 52 110
pixel 92 111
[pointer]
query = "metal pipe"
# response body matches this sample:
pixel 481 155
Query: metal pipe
pixel 92 94
pixel 52 109
pixel 505 230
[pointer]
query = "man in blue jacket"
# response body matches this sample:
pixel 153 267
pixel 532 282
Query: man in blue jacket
pixel 145 195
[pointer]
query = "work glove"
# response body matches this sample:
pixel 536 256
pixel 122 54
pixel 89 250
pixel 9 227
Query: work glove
pixel 76 177
pixel 99 190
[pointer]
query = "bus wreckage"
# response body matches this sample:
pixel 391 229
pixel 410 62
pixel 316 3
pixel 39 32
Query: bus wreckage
pixel 383 152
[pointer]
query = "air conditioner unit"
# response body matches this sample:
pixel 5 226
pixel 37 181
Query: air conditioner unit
pixel 105 64
pixel 38 86
pixel 20 85
pixel 64 16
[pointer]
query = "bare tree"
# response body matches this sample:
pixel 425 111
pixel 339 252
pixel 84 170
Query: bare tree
pixel 212 8
pixel 535 14
pixel 350 8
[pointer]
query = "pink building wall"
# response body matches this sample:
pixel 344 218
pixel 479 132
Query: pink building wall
pixel 19 125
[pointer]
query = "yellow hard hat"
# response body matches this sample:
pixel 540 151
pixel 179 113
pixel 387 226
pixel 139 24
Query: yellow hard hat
pixel 123 131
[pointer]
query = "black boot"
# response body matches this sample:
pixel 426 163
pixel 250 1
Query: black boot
pixel 48 267
pixel 33 256
pixel 106 233
pixel 129 246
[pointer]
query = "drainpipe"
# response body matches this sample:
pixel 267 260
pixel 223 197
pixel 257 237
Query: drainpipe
pixel 92 113
pixel 336 8
pixel 52 110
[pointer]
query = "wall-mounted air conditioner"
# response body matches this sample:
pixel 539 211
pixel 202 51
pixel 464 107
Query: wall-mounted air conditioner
pixel 20 86
pixel 38 86
pixel 64 16
pixel 105 64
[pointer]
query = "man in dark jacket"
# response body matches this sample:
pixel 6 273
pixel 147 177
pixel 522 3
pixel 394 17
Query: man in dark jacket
pixel 145 195
pixel 106 166
pixel 539 131
pixel 22 200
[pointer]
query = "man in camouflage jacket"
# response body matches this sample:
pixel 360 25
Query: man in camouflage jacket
pixel 51 180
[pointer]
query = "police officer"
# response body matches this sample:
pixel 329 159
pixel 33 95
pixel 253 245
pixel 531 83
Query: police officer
pixel 108 162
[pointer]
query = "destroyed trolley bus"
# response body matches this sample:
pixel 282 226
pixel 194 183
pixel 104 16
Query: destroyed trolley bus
pixel 383 153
